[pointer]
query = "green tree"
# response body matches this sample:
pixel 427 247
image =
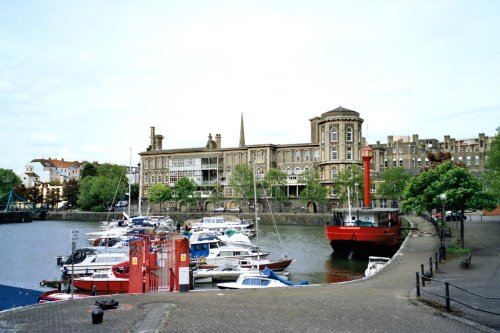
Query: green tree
pixel 185 191
pixel 216 194
pixel 242 182
pixel 159 193
pixel 394 183
pixel 275 183
pixel 8 181
pixel 71 191
pixel 89 169
pixel 109 186
pixel 492 168
pixel 314 191
pixel 462 190
pixel 348 179
pixel 134 189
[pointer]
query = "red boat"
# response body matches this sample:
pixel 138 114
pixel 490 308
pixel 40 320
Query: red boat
pixel 365 231
pixel 114 280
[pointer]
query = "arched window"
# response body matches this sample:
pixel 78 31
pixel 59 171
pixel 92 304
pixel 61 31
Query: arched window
pixel 334 135
pixel 348 153
pixel 335 154
pixel 348 134
pixel 316 155
pixel 335 172
pixel 307 155
pixel 288 171
pixel 297 171
pixel 297 156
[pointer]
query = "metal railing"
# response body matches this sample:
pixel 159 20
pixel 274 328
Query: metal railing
pixel 424 277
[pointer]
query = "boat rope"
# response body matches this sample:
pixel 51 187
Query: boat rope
pixel 116 192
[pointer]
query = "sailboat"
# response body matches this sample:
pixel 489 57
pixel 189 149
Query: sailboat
pixel 259 263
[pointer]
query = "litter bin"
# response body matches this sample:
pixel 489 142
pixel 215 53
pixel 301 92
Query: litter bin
pixel 97 316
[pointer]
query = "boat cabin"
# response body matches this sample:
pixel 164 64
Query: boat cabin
pixel 364 217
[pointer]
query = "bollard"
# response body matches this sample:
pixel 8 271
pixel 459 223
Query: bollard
pixel 436 260
pixel 97 316
pixel 94 293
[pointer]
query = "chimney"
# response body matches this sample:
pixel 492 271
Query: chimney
pixel 218 139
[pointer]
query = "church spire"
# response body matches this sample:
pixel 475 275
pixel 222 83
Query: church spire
pixel 242 133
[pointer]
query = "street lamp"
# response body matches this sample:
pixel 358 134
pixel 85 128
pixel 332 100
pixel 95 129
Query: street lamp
pixel 442 196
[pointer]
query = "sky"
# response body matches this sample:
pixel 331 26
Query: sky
pixel 85 80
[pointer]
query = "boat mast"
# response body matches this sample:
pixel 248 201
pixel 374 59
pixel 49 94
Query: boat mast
pixel 255 208
pixel 129 181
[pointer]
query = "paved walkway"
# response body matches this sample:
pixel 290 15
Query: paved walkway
pixel 383 303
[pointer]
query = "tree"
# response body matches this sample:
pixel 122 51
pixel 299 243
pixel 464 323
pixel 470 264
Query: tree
pixel 314 191
pixel 34 195
pixel 348 179
pixel 185 191
pixel 8 181
pixel 159 193
pixel 89 169
pixel 242 182
pixel 52 198
pixel 462 190
pixel 394 183
pixel 71 191
pixel 275 184
pixel 216 194
pixel 97 192
pixel 492 168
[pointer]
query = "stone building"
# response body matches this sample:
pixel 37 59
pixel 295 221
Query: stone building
pixel 336 143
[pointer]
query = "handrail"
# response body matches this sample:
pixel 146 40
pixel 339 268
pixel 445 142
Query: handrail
pixel 427 276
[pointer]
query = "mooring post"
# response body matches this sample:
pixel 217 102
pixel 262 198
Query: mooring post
pixel 436 259
pixel 430 265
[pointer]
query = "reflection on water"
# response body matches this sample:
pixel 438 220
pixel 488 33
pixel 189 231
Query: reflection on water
pixel 28 251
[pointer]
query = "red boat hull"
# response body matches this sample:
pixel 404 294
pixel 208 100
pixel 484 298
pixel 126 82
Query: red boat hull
pixel 363 240
pixel 109 287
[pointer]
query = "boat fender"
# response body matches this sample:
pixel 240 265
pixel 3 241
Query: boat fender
pixel 202 260
pixel 42 283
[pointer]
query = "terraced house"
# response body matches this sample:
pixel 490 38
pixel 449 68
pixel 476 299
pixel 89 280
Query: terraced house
pixel 335 146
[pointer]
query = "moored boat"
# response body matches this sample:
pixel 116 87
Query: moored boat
pixel 114 280
pixel 375 264
pixel 366 231
pixel 257 280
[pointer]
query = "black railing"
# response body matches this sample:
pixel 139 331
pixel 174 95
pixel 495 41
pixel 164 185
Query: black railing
pixel 424 277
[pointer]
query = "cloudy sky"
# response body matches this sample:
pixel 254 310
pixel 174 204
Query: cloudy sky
pixel 85 80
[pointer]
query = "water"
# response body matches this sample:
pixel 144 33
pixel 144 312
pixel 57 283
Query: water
pixel 28 251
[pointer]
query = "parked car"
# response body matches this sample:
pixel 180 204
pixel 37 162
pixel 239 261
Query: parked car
pixel 219 209
pixel 122 203
pixel 455 216
pixel 235 210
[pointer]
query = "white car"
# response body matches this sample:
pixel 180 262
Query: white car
pixel 219 209
pixel 235 210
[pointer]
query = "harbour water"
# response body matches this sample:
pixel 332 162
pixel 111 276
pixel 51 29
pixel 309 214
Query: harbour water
pixel 28 251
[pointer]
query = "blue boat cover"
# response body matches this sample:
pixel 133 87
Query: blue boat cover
pixel 271 274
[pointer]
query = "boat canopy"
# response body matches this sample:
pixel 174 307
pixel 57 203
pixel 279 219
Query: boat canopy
pixel 272 275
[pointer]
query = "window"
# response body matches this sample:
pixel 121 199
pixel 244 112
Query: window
pixel 401 162
pixel 288 171
pixel 335 155
pixel 469 161
pixel 297 156
pixel 307 155
pixel 334 136
pixel 419 163
pixel 386 163
pixel 478 160
pixel 297 171
pixel 383 203
pixel 348 153
pixel 335 173
pixel 316 156
pixel 348 134
pixel 394 162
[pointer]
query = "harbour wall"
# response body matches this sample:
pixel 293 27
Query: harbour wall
pixel 265 218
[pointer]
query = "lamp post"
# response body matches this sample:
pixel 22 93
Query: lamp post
pixel 357 196
pixel 442 196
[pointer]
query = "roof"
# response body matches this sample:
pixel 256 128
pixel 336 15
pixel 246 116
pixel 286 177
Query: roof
pixel 57 163
pixel 340 111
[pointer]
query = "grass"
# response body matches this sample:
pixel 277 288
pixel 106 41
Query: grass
pixel 457 250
